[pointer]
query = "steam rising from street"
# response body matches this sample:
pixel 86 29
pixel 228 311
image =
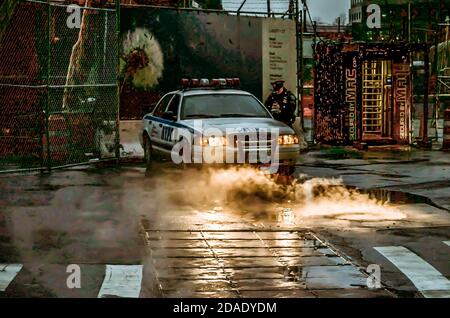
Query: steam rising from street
pixel 252 193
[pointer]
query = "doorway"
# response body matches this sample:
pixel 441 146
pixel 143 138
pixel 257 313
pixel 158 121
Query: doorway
pixel 377 110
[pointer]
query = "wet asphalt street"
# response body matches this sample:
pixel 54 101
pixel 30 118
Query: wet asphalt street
pixel 231 233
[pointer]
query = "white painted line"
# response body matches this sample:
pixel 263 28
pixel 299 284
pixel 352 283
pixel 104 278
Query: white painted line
pixel 121 281
pixel 447 242
pixel 425 277
pixel 7 274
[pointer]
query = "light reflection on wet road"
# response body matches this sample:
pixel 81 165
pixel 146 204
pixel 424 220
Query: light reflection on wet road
pixel 245 263
pixel 263 245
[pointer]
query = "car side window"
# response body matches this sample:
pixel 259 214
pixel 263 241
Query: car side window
pixel 162 105
pixel 174 105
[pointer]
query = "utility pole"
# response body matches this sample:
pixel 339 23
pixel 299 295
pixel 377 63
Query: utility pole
pixel 300 82
pixel 409 21
pixel 268 8
pixel 425 140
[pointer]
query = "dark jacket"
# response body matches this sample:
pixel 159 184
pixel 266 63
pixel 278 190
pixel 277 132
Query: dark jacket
pixel 286 111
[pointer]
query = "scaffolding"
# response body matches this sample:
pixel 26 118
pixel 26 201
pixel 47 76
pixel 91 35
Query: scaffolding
pixel 443 64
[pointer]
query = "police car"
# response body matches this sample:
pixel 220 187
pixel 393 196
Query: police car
pixel 242 128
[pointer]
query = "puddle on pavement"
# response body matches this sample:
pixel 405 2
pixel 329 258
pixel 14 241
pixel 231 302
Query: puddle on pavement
pixel 340 155
pixel 374 155
pixel 397 197
pixel 339 202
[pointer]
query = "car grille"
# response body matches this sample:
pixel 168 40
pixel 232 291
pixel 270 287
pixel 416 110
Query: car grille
pixel 244 142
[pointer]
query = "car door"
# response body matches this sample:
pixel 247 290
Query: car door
pixel 156 122
pixel 169 128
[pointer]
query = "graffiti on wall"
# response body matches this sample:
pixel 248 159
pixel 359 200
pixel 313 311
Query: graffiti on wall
pixel 160 46
pixel 169 45
pixel 351 99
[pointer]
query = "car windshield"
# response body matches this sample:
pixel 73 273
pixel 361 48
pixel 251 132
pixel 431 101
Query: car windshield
pixel 222 106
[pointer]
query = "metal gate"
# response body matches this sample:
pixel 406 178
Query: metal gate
pixel 376 99
pixel 58 83
pixel 372 99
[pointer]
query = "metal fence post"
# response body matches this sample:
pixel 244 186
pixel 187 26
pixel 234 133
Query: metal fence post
pixel 425 140
pixel 46 112
pixel 117 141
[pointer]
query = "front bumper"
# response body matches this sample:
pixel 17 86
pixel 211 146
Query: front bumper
pixel 283 155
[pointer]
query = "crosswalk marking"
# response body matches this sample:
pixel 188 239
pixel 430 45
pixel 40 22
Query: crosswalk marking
pixel 425 277
pixel 122 281
pixel 125 280
pixel 7 274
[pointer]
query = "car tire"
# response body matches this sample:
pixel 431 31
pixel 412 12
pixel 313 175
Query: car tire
pixel 148 152
pixel 287 171
pixel 285 174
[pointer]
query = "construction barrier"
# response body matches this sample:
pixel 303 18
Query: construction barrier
pixel 71 137
pixel 59 138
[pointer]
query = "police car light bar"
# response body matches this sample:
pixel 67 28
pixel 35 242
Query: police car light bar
pixel 195 83
pixel 206 83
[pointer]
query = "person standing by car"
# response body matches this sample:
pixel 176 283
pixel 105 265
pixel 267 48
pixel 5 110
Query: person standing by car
pixel 281 103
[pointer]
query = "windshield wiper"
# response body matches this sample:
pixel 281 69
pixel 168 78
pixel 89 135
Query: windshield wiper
pixel 201 116
pixel 237 115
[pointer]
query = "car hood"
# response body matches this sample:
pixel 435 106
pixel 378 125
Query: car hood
pixel 240 125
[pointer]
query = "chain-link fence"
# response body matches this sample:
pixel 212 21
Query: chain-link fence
pixel 58 83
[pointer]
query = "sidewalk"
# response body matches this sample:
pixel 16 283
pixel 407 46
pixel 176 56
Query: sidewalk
pixel 129 139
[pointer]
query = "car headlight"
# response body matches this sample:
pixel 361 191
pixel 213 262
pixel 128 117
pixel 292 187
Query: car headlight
pixel 288 140
pixel 214 141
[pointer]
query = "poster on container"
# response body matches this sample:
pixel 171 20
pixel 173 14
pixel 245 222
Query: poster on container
pixel 351 62
pixel 402 101
pixel 279 60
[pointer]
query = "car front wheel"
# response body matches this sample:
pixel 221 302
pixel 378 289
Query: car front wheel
pixel 285 174
pixel 287 170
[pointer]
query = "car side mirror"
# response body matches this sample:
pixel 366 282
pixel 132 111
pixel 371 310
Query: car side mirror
pixel 169 116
